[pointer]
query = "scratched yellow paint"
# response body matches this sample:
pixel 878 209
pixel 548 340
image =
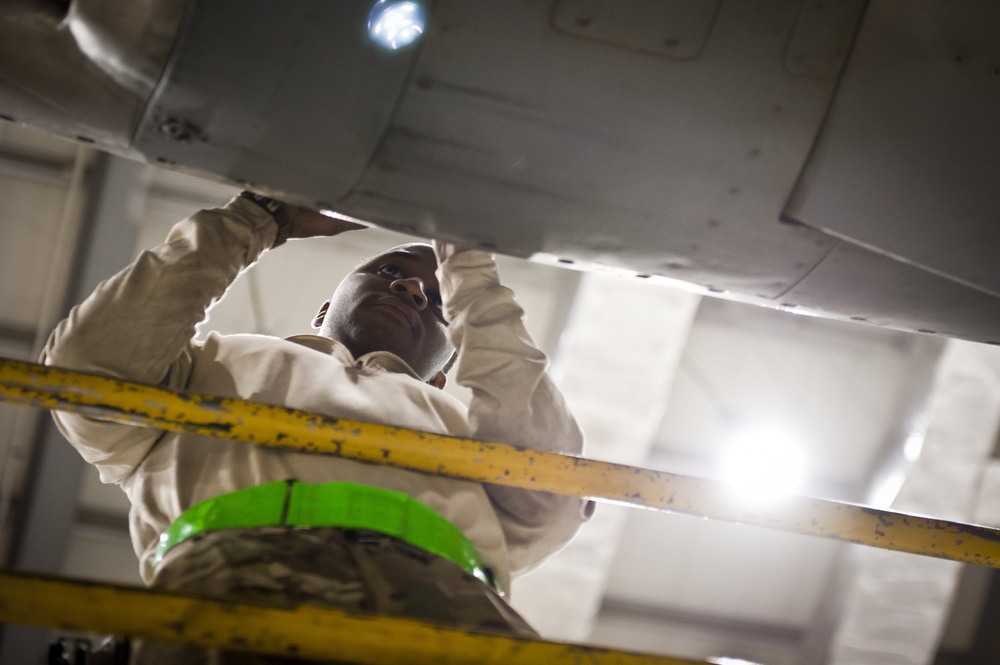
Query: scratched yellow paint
pixel 497 463
pixel 305 631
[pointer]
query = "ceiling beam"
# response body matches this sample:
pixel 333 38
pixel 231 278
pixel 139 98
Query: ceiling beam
pixel 898 605
pixel 48 497
pixel 736 630
pixel 43 170
pixel 11 333
pixel 616 391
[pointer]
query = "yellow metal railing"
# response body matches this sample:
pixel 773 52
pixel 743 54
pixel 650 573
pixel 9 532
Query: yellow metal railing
pixel 496 463
pixel 306 631
pixel 313 632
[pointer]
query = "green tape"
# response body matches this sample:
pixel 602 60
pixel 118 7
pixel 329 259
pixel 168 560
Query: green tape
pixel 342 505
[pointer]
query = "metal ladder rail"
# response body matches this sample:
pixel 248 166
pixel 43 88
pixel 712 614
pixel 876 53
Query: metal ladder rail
pixel 321 633
pixel 304 631
pixel 497 463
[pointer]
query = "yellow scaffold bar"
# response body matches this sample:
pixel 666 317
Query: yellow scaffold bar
pixel 303 631
pixel 497 463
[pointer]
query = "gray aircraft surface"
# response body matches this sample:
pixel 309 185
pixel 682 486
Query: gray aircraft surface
pixel 832 157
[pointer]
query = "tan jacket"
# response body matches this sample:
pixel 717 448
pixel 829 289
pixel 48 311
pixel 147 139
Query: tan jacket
pixel 139 325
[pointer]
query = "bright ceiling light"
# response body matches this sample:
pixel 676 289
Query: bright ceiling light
pixel 396 24
pixel 915 440
pixel 888 490
pixel 763 463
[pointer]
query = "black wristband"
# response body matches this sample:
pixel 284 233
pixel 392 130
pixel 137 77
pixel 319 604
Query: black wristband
pixel 276 209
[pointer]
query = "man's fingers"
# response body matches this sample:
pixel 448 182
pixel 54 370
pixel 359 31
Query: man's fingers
pixel 307 223
pixel 444 250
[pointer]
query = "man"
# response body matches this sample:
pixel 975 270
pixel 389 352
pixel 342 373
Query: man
pixel 270 523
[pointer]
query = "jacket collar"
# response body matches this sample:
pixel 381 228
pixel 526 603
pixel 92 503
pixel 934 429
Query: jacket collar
pixel 384 360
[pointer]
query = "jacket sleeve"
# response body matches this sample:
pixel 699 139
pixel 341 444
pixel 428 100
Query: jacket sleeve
pixel 513 401
pixel 139 324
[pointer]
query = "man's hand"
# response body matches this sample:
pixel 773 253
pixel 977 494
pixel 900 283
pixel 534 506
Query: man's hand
pixel 308 223
pixel 445 250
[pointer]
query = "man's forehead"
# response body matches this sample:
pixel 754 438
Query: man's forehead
pixel 412 253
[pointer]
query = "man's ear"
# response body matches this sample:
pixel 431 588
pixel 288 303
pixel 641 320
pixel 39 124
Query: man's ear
pixel 320 315
pixel 438 380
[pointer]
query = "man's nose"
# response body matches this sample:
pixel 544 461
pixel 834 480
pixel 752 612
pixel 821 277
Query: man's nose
pixel 410 289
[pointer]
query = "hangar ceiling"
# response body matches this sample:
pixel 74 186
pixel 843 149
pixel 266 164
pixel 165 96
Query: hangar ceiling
pixel 724 155
pixel 671 583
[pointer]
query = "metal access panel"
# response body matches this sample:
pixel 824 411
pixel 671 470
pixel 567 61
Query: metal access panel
pixel 677 29
pixel 908 161
pixel 516 126
pixel 558 128
pixel 290 96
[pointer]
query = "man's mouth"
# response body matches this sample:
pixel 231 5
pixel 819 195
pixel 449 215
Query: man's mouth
pixel 401 309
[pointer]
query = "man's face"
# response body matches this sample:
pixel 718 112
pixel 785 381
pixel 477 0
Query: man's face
pixel 392 303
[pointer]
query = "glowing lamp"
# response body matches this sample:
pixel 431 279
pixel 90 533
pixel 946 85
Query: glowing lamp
pixel 395 24
pixel 763 464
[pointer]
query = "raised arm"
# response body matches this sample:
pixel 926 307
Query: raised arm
pixel 513 398
pixel 139 324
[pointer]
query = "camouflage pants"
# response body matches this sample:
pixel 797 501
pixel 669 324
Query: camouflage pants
pixel 356 571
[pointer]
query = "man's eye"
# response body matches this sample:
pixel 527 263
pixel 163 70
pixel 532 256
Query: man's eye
pixel 391 271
